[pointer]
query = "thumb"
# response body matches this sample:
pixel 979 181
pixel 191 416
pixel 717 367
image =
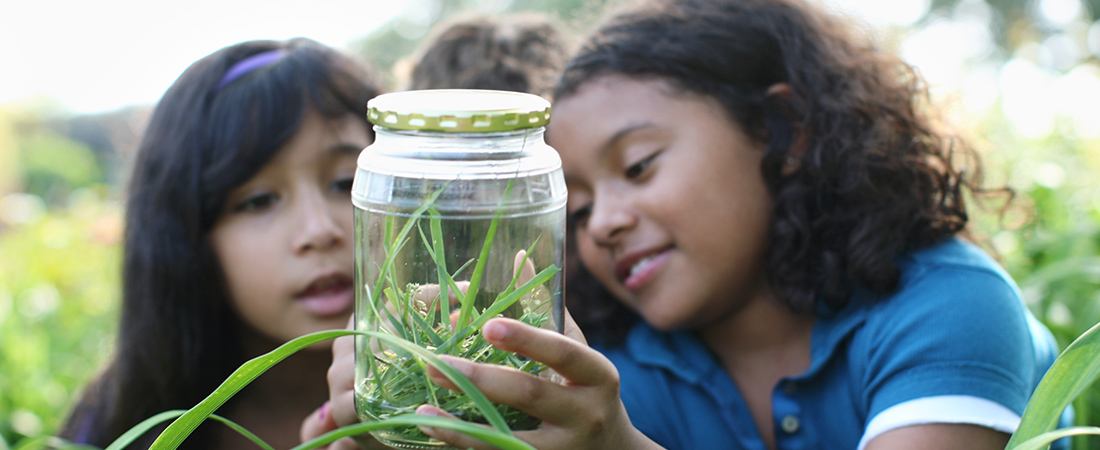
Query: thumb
pixel 523 269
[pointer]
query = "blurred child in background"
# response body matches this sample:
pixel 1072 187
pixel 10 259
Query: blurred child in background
pixel 522 52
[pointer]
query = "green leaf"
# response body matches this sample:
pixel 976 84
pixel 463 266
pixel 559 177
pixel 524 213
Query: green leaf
pixel 248 434
pixel 1043 440
pixel 399 241
pixel 132 434
pixel 183 426
pixel 440 258
pixel 187 422
pixel 490 436
pixel 1072 372
pixel 479 269
pixel 483 404
pixel 503 303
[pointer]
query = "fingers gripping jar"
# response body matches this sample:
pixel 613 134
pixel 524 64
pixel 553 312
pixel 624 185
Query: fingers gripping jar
pixel 459 218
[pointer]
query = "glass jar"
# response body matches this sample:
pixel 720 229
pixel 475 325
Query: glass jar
pixel 459 217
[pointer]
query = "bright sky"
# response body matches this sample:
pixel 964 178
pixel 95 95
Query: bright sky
pixel 91 56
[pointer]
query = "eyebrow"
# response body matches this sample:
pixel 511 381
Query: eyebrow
pixel 614 140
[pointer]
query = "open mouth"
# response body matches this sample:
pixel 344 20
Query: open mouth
pixel 328 295
pixel 636 270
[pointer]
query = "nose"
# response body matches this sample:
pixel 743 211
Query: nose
pixel 319 228
pixel 609 219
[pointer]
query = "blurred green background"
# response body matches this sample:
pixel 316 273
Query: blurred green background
pixel 1020 77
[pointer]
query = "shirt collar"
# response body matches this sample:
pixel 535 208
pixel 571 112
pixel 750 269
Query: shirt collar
pixel 684 354
pixel 679 352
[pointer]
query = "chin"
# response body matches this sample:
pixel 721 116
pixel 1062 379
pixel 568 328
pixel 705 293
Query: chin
pixel 662 322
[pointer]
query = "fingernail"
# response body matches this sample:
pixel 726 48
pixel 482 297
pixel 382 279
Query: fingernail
pixel 494 331
pixel 425 410
pixel 461 365
pixel 324 412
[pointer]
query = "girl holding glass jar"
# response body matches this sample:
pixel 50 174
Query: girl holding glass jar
pixel 773 235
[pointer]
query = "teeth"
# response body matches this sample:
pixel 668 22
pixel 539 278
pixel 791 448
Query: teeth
pixel 640 265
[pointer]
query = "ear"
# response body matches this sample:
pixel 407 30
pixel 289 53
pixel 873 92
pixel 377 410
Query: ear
pixel 801 137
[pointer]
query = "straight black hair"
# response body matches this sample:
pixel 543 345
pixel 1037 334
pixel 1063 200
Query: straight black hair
pixel 177 337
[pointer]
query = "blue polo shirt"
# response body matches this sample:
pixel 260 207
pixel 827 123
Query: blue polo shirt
pixel 955 330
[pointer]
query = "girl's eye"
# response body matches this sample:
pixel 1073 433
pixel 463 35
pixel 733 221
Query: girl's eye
pixel 579 215
pixel 637 169
pixel 343 185
pixel 256 202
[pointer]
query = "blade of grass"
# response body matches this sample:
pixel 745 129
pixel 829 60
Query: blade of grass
pixel 490 436
pixel 132 434
pixel 401 239
pixel 499 305
pixel 440 259
pixel 427 330
pixel 451 278
pixel 479 269
pixel 506 301
pixel 397 323
pixel 187 422
pixel 243 432
pixel 1072 372
pixel 1043 440
pixel 483 404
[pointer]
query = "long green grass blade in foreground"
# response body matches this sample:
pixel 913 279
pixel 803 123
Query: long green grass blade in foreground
pixel 188 421
pixel 182 427
pixel 132 434
pixel 488 435
pixel 1043 440
pixel 1074 371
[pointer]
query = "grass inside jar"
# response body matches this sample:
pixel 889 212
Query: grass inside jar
pixel 398 382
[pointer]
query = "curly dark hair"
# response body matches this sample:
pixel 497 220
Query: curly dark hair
pixel 876 175
pixel 523 52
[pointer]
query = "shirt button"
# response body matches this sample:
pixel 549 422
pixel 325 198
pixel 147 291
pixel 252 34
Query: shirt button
pixel 789 424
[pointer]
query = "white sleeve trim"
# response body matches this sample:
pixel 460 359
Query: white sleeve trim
pixel 942 409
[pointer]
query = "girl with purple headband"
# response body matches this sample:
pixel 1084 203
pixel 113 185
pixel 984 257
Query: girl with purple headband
pixel 238 229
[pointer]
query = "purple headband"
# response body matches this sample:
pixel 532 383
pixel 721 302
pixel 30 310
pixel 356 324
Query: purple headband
pixel 244 66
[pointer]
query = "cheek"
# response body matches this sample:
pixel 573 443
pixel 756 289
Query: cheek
pixel 342 212
pixel 594 259
pixel 242 261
